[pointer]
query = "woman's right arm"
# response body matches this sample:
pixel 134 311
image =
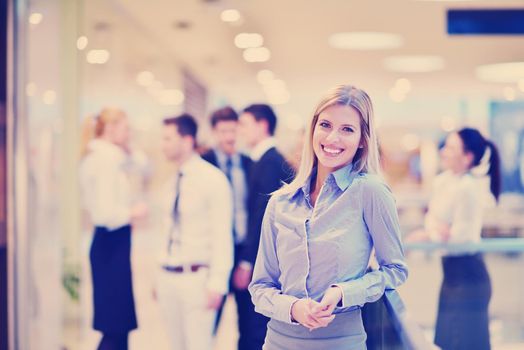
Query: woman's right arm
pixel 265 289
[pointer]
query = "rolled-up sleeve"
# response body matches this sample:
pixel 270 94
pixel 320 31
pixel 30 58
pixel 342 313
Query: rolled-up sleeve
pixel 265 289
pixel 381 219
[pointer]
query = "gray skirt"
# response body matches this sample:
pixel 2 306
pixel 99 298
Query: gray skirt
pixel 346 332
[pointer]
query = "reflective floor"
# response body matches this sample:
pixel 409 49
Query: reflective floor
pixel 419 294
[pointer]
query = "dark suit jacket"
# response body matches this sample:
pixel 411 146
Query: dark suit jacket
pixel 267 176
pixel 211 157
pixel 246 162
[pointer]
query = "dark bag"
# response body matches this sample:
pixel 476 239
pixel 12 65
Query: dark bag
pixel 379 326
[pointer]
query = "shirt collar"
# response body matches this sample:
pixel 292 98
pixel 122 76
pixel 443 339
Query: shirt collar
pixel 189 163
pixel 222 157
pixel 341 177
pixel 262 147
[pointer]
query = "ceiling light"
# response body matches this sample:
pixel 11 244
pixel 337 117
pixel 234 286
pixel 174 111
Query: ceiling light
pixel 403 85
pixel 35 18
pixel 49 97
pixel 264 76
pixel 230 15
pixel 365 41
pixel 257 54
pixel 414 63
pixel 145 78
pixel 510 72
pixel 81 42
pixel 509 93
pixel 97 56
pixel 247 40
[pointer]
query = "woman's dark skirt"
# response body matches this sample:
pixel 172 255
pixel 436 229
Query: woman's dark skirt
pixel 114 305
pixel 463 320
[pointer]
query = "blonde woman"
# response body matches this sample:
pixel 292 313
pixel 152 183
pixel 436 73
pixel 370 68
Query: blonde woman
pixel 107 199
pixel 318 233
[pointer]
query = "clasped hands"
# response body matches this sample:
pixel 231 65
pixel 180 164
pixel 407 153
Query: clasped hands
pixel 312 314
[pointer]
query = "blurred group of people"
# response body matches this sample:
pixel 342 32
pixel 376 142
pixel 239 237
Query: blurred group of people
pixel 212 207
pixel 292 246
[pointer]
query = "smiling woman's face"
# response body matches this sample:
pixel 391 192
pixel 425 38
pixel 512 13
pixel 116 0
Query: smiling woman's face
pixel 336 137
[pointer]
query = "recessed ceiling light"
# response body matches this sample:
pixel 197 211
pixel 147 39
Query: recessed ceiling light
pixel 97 56
pixel 230 15
pixel 414 63
pixel 81 42
pixel 247 40
pixel 365 41
pixel 257 54
pixel 35 18
pixel 510 72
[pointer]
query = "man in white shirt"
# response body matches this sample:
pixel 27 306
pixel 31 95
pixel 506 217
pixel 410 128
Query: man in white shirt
pixel 198 254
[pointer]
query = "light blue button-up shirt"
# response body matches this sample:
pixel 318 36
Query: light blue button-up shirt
pixel 304 249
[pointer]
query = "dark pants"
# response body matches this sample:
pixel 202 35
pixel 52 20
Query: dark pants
pixel 463 320
pixel 252 326
pixel 113 341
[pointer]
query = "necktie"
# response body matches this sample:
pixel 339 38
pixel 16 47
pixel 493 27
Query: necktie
pixel 229 175
pixel 176 213
pixel 229 168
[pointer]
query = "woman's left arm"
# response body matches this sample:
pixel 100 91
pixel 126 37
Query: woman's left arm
pixel 381 219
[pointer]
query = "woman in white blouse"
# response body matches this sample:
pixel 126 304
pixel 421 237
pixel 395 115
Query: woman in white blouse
pixel 107 198
pixel 460 196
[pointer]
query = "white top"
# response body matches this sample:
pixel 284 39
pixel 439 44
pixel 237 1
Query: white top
pixel 458 202
pixel 204 232
pixel 105 184
pixel 262 147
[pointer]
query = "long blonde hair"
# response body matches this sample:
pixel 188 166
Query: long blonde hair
pixel 366 159
pixel 94 126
